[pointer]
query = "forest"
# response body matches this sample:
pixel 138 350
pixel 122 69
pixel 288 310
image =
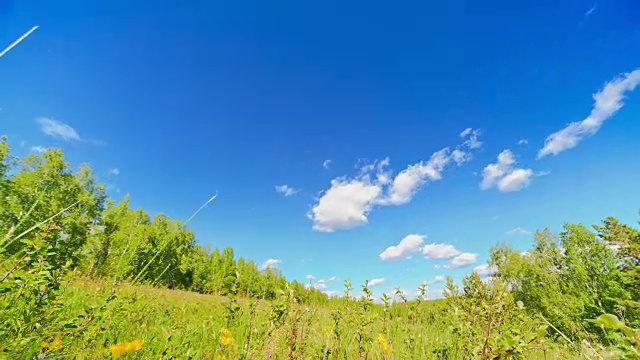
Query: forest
pixel 82 276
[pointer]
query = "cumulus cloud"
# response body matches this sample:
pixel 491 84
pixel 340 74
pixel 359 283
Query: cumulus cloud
pixel 286 190
pixel 518 231
pixel 270 263
pixel 440 251
pixel 438 279
pixel 504 175
pixel 348 201
pixel 326 163
pixel 485 270
pixel 607 102
pixel 345 205
pixel 58 129
pixel 376 282
pixel 310 277
pixel 408 246
pixel 463 260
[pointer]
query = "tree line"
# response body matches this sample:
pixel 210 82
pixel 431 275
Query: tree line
pixel 100 238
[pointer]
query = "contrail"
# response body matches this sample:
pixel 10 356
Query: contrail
pixel 202 207
pixel 18 41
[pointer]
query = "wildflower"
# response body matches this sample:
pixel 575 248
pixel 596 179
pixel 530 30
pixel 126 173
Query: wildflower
pixel 384 344
pixel 226 337
pixel 119 349
pixel 55 345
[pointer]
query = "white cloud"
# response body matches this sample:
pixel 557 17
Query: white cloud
pixel 470 137
pixel 460 156
pixel 523 141
pixel 440 251
pixel 607 102
pixel 438 279
pixel 310 277
pixel 320 284
pixel 376 282
pixel 485 270
pixel 333 278
pixel 408 181
pixel 504 175
pixel 326 163
pixel 286 190
pixel 518 231
pixel 114 171
pixel 409 245
pixel 271 263
pixel 38 149
pixel 463 260
pixel 345 205
pixel 58 129
pixel 348 201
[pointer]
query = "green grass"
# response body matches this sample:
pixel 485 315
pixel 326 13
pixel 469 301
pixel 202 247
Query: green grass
pixel 187 325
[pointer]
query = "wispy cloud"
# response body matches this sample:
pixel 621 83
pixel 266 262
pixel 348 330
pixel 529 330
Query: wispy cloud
pixel 590 11
pixel 58 129
pixel 523 141
pixel 326 163
pixel 504 175
pixel 348 201
pixel 518 231
pixel 38 149
pixel 18 41
pixel 376 282
pixel 606 103
pixel 286 190
pixel 114 171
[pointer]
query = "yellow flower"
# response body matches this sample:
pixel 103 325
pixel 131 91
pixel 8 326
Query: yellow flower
pixel 384 344
pixel 220 357
pixel 226 337
pixel 119 349
pixel 55 345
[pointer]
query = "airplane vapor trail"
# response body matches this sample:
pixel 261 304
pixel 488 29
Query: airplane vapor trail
pixel 202 207
pixel 13 44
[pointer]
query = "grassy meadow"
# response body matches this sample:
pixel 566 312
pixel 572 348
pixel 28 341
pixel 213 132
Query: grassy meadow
pixel 84 277
pixel 185 325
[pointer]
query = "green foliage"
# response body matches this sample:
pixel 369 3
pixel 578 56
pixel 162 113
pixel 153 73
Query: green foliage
pixel 76 270
pixel 487 323
pixel 568 278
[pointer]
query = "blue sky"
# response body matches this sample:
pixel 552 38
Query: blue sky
pixel 242 98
